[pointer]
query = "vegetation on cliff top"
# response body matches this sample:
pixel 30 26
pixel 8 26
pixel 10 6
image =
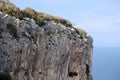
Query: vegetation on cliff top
pixel 8 8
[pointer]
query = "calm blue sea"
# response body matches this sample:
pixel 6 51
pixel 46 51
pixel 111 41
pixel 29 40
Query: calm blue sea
pixel 106 63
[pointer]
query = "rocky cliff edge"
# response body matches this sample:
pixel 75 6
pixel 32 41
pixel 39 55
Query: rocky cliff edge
pixel 48 52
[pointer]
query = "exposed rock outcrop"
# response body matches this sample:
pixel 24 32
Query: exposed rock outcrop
pixel 48 52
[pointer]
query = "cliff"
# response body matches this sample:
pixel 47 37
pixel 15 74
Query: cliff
pixel 48 52
pixel 51 51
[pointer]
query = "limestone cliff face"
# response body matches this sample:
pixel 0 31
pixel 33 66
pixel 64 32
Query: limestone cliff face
pixel 48 52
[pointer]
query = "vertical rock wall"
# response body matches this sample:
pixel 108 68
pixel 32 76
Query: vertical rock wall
pixel 49 52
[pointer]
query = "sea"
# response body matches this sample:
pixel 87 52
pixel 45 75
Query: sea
pixel 106 63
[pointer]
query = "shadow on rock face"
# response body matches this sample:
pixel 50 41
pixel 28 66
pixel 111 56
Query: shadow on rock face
pixel 5 76
pixel 72 74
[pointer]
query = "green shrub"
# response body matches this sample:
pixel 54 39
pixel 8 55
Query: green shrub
pixel 24 14
pixel 9 8
pixel 40 19
pixel 6 5
pixel 62 21
pixel 81 32
pixel 32 12
pixel 10 12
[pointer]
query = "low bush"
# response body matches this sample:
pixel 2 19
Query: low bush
pixel 81 32
pixel 32 12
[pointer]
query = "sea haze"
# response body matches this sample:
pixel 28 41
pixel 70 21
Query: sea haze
pixel 106 63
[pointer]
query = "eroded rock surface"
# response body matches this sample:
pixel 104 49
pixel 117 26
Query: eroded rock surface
pixel 48 52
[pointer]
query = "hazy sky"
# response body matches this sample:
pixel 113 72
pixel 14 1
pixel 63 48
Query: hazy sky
pixel 100 18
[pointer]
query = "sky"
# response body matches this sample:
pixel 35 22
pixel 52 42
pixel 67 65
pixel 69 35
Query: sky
pixel 99 18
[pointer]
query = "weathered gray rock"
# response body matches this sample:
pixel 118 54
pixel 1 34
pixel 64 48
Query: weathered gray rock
pixel 49 52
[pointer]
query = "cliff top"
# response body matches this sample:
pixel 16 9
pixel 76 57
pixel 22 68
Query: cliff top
pixel 40 18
